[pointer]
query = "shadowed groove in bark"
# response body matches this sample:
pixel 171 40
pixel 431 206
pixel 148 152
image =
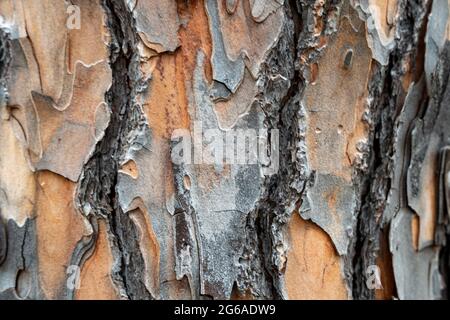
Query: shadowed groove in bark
pixel 4 67
pixel 265 225
pixel 384 91
pixel 5 59
pixel 97 194
pixel 443 74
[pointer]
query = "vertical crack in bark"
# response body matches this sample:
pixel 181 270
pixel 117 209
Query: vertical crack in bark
pixel 442 237
pixel 97 195
pixel 367 230
pixel 385 105
pixel 263 260
pixel 263 271
pixel 5 59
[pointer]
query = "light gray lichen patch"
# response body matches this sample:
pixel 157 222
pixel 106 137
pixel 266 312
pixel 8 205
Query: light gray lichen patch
pixel 416 273
pixel 221 196
pixel 380 40
pixel 397 194
pixel 19 269
pixel 330 202
pixel 157 23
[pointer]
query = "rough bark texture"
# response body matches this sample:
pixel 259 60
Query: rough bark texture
pixel 356 185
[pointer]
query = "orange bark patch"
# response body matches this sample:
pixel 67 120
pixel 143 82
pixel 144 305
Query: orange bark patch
pixel 415 227
pixel 87 44
pixel 313 269
pixel 336 103
pixel 59 228
pixel 95 278
pixel 165 106
pixel 149 247
pixel 130 168
pixel 384 262
pixel 17 181
pixel 384 12
pixel 194 36
pixel 237 295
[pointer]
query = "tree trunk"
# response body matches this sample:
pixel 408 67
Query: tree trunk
pixel 225 149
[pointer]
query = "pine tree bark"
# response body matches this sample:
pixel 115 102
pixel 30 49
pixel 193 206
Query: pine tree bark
pixel 350 201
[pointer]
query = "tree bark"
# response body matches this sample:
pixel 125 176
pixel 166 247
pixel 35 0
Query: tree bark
pixel 130 168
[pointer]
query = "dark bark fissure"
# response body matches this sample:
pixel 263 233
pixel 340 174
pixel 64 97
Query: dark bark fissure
pixel 442 98
pixel 3 242
pixel 367 230
pixel 125 81
pixel 4 66
pixel 385 90
pixel 97 192
pixel 5 59
pixel 267 223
